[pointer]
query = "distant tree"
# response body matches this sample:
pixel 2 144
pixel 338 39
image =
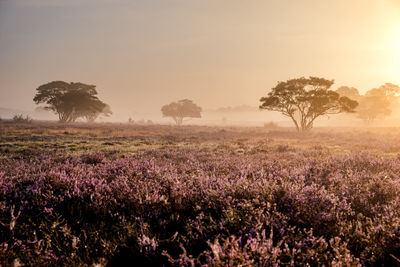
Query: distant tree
pixel 378 102
pixel 305 99
pixel 182 109
pixel 372 107
pixel 388 90
pixel 71 101
pixel 92 114
pixel 349 92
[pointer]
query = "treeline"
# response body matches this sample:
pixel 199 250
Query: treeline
pixel 303 100
pixel 375 103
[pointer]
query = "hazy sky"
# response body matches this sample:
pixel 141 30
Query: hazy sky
pixel 143 54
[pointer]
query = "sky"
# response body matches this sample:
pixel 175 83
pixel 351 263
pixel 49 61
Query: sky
pixel 146 53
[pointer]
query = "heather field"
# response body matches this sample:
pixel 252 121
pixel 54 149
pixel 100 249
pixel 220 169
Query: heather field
pixel 108 194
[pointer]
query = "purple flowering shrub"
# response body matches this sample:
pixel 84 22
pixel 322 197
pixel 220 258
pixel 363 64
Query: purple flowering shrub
pixel 193 206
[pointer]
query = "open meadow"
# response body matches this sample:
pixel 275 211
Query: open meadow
pixel 199 133
pixel 107 194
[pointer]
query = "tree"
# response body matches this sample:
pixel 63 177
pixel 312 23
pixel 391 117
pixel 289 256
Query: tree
pixel 371 107
pixel 388 90
pixel 305 99
pixel 182 109
pixel 100 109
pixel 378 102
pixel 350 92
pixel 71 101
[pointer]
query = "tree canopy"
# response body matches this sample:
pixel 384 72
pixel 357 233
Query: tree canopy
pixel 71 101
pixel 378 102
pixel 305 99
pixel 375 103
pixel 181 109
pixel 350 92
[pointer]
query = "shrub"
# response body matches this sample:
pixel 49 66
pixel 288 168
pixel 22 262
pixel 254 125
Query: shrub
pixel 19 118
pixel 189 205
pixel 271 125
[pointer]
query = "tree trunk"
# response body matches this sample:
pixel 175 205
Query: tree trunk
pixel 295 123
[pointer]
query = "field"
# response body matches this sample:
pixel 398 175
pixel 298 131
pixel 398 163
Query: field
pixel 105 194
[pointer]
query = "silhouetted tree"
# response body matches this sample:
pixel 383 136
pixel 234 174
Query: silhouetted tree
pixel 182 109
pixel 378 102
pixel 92 114
pixel 349 92
pixel 71 100
pixel 303 100
pixel 389 90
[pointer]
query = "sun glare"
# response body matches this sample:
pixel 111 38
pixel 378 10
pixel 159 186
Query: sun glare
pixel 396 38
pixel 396 48
pixel 391 49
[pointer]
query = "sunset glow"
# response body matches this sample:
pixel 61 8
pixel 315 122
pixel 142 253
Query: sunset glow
pixel 219 53
pixel 199 133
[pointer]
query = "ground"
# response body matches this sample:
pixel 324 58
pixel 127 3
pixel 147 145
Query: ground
pixel 86 194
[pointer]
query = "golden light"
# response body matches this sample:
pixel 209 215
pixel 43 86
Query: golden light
pixel 391 50
pixel 396 39
pixel 396 48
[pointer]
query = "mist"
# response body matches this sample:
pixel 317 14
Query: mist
pixel 199 133
pixel 142 55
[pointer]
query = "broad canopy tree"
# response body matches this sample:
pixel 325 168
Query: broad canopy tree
pixel 376 103
pixel 181 109
pixel 305 99
pixel 350 92
pixel 71 101
pixel 379 102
